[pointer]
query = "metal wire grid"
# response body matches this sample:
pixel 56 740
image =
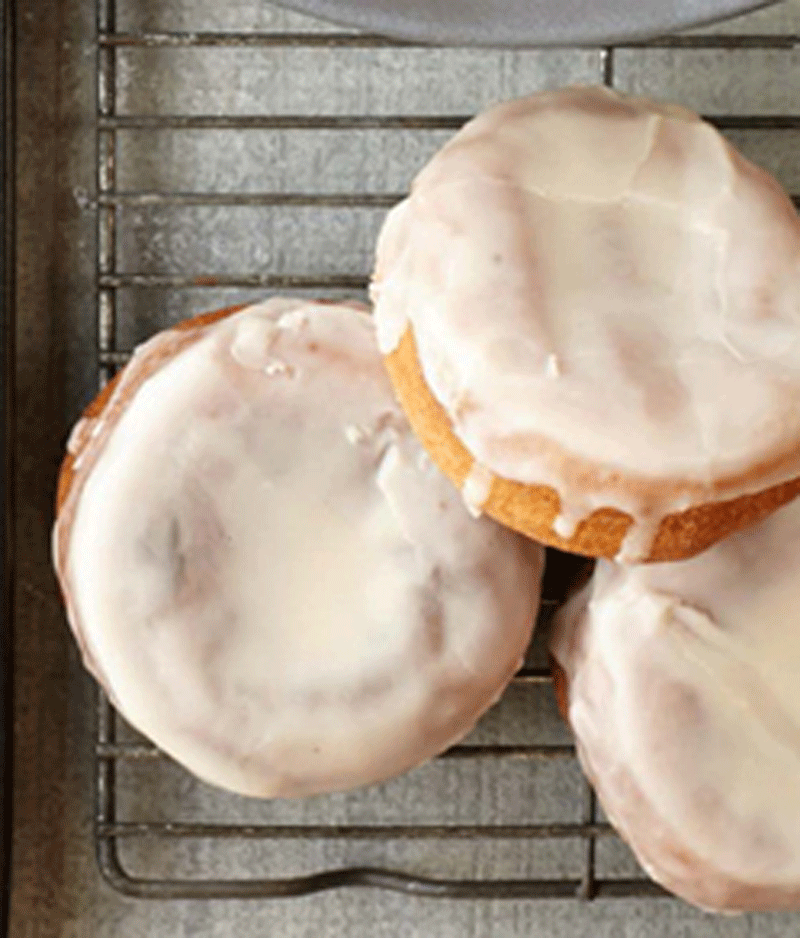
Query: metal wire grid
pixel 111 752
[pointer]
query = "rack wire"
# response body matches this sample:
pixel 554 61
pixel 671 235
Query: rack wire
pixel 115 750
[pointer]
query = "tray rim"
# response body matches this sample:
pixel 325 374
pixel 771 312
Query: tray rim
pixel 399 23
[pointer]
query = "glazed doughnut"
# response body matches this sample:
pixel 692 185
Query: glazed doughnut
pixel 682 684
pixel 264 569
pixel 590 309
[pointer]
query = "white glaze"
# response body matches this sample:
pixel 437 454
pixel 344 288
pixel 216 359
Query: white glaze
pixel 612 286
pixel 355 434
pixel 638 540
pixel 79 435
pixel 476 488
pixel 686 676
pixel 553 366
pixel 568 518
pixel 271 581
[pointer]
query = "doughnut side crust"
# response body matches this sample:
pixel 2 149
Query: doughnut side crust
pixel 534 509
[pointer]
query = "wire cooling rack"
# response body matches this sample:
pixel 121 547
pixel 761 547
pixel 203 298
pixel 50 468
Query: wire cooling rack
pixel 160 834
